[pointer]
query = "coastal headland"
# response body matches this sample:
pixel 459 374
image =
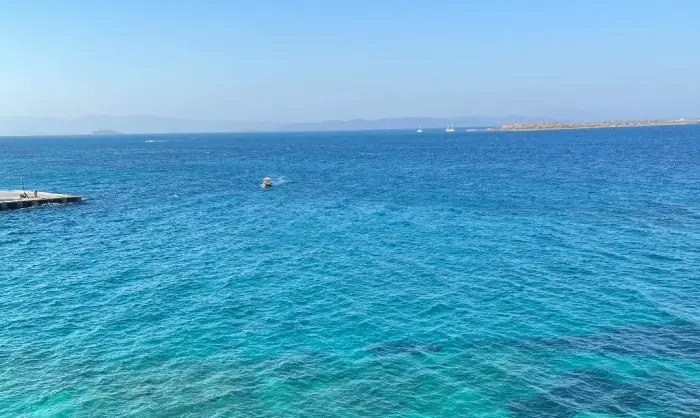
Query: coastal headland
pixel 541 126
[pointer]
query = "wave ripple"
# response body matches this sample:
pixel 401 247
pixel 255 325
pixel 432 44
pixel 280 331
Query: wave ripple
pixel 547 274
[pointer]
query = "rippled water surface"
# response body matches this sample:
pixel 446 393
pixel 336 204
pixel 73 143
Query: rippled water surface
pixel 551 274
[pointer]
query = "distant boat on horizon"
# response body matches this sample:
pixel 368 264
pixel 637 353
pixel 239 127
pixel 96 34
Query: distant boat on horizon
pixel 450 127
pixel 420 129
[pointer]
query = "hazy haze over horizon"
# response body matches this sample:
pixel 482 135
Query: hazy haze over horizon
pixel 280 63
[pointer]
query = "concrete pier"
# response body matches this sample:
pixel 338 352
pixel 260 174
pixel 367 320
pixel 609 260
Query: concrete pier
pixel 11 199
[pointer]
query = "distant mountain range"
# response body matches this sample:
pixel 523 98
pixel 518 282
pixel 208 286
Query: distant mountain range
pixel 155 124
pixel 409 123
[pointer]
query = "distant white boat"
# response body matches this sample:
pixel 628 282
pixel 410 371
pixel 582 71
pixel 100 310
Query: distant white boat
pixel 450 127
pixel 420 129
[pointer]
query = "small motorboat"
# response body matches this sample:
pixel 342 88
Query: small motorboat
pixel 266 182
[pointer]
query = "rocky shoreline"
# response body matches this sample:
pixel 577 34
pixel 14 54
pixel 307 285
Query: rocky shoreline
pixel 539 126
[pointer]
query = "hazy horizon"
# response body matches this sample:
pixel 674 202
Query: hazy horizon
pixel 145 124
pixel 311 62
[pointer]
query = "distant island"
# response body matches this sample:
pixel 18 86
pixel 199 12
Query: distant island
pixel 541 126
pixel 106 132
pixel 145 124
pixel 148 124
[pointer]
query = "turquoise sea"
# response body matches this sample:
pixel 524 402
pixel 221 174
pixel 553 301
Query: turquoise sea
pixel 386 274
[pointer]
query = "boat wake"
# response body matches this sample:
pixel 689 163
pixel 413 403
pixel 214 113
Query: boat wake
pixel 278 181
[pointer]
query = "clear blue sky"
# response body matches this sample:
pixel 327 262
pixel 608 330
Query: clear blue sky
pixel 314 60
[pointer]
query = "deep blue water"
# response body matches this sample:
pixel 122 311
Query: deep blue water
pixel 533 274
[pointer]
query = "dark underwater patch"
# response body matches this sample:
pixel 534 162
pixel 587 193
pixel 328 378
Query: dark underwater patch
pixel 672 340
pixel 675 340
pixel 584 391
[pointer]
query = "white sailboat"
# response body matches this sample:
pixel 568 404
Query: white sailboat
pixel 420 129
pixel 450 127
